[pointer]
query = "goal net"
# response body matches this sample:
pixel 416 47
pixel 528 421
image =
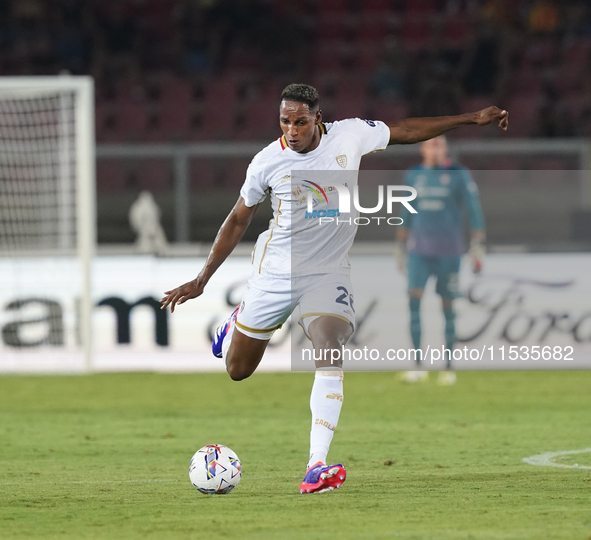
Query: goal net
pixel 47 220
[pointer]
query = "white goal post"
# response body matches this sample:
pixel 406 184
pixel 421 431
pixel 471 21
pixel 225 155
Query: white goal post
pixel 47 204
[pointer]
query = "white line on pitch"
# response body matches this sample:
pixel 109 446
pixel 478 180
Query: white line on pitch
pixel 547 459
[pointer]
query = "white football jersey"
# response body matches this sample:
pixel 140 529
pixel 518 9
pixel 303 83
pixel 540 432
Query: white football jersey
pixel 294 245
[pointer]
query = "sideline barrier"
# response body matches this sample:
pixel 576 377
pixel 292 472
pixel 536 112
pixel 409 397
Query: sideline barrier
pixel 523 300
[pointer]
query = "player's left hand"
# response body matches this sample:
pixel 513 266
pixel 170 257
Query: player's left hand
pixel 476 254
pixel 191 289
pixel 492 114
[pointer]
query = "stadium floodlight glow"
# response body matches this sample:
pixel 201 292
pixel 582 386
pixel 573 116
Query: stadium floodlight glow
pixel 47 187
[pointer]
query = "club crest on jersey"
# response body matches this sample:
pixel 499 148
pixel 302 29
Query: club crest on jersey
pixel 342 161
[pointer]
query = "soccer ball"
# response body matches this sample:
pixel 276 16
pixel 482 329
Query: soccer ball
pixel 215 470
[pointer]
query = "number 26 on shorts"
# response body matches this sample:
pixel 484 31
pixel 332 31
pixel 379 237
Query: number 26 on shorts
pixel 345 298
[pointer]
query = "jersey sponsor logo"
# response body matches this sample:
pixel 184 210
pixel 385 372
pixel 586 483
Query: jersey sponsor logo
pixel 329 212
pixel 370 123
pixel 301 197
pixel 296 191
pixel 342 161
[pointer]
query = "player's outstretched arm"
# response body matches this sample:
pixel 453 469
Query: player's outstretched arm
pixel 228 236
pixel 414 130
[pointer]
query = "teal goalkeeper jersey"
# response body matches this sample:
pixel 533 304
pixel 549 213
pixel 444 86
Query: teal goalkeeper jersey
pixel 442 195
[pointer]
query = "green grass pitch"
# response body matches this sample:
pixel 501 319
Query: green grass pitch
pixel 106 457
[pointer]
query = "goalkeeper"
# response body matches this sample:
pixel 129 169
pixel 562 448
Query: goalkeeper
pixel 431 242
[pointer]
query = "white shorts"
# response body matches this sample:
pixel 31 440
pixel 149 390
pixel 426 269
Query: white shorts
pixel 268 302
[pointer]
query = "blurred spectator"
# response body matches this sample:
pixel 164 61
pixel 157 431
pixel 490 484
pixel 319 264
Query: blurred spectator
pixel 134 47
pixel 73 45
pixel 144 218
pixel 198 36
pixel 577 20
pixel 501 14
pixel 287 53
pixel 461 6
pixel 119 33
pixel 544 17
pixel 436 90
pixel 584 117
pixel 554 119
pixel 29 12
pixel 480 65
pixel 389 78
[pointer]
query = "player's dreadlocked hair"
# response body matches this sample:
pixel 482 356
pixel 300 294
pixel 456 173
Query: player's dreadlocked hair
pixel 302 93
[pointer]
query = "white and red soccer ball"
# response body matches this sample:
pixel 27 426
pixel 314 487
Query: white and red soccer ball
pixel 215 470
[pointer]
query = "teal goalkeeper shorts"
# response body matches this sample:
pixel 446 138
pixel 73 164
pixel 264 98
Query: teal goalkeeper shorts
pixel 445 270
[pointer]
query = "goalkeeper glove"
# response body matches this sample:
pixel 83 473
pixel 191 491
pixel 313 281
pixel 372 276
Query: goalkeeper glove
pixel 476 254
pixel 400 256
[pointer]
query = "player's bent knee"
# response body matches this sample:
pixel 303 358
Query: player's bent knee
pixel 239 369
pixel 238 373
pixel 244 356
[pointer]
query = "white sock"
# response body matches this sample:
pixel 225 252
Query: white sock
pixel 228 338
pixel 326 401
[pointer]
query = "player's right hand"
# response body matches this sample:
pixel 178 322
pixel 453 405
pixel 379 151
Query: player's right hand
pixel 191 289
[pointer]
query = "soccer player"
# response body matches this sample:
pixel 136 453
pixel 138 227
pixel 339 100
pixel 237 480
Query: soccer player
pixel 434 239
pixel 275 289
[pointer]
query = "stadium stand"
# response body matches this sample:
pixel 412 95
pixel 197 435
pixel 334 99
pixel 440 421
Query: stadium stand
pixel 149 56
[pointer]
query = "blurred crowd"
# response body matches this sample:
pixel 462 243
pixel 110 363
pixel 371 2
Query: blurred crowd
pixel 213 69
